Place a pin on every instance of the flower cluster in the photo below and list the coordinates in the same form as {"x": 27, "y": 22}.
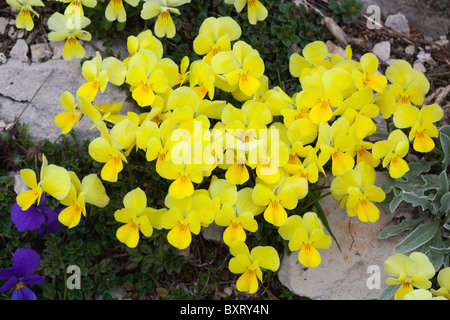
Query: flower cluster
{"x": 234, "y": 164}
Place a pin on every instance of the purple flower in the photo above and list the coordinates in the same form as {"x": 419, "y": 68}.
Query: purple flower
{"x": 25, "y": 263}
{"x": 36, "y": 217}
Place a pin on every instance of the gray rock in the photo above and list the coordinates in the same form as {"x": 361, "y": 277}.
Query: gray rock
{"x": 398, "y": 22}
{"x": 40, "y": 52}
{"x": 3, "y": 24}
{"x": 382, "y": 50}
{"x": 3, "y": 58}
{"x": 19, "y": 81}
{"x": 345, "y": 274}
{"x": 19, "y": 51}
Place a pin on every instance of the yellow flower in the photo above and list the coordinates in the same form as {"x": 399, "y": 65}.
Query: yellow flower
{"x": 66, "y": 120}
{"x": 69, "y": 28}
{"x": 335, "y": 143}
{"x": 443, "y": 280}
{"x": 215, "y": 35}
{"x": 242, "y": 67}
{"x": 202, "y": 80}
{"x": 182, "y": 220}
{"x": 410, "y": 271}
{"x": 367, "y": 75}
{"x": 115, "y": 10}
{"x": 144, "y": 40}
{"x": 184, "y": 175}
{"x": 314, "y": 55}
{"x": 76, "y": 6}
{"x": 164, "y": 26}
{"x": 421, "y": 294}
{"x": 255, "y": 9}
{"x": 421, "y": 123}
{"x": 409, "y": 86}
{"x": 25, "y": 7}
{"x": 183, "y": 76}
{"x": 320, "y": 102}
{"x": 305, "y": 234}
{"x": 250, "y": 264}
{"x": 137, "y": 217}
{"x": 89, "y": 190}
{"x": 54, "y": 180}
{"x": 103, "y": 150}
{"x": 356, "y": 189}
{"x": 144, "y": 78}
{"x": 393, "y": 150}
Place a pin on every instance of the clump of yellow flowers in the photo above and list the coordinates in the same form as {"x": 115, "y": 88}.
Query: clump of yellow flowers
{"x": 269, "y": 147}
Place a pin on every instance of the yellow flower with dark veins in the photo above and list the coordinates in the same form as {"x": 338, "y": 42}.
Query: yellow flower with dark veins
{"x": 115, "y": 10}
{"x": 25, "y": 7}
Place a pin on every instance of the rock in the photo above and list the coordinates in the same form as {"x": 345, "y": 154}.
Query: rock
{"x": 419, "y": 66}
{"x": 3, "y": 24}
{"x": 398, "y": 22}
{"x": 3, "y": 58}
{"x": 40, "y": 52}
{"x": 19, "y": 185}
{"x": 57, "y": 49}
{"x": 409, "y": 50}
{"x": 345, "y": 275}
{"x": 19, "y": 51}
{"x": 430, "y": 17}
{"x": 382, "y": 50}
{"x": 19, "y": 81}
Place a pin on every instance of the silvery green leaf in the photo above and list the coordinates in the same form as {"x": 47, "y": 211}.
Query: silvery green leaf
{"x": 405, "y": 225}
{"x": 419, "y": 237}
{"x": 445, "y": 203}
{"x": 389, "y": 292}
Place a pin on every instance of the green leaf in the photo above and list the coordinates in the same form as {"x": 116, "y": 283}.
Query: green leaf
{"x": 416, "y": 200}
{"x": 444, "y": 137}
{"x": 389, "y": 292}
{"x": 322, "y": 217}
{"x": 405, "y": 225}
{"x": 445, "y": 203}
{"x": 420, "y": 236}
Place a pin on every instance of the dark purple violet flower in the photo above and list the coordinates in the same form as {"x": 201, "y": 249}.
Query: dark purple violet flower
{"x": 25, "y": 263}
{"x": 36, "y": 217}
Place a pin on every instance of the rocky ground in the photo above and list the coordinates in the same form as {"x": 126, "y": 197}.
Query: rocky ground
{"x": 33, "y": 75}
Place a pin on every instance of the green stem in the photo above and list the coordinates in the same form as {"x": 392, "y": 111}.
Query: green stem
{"x": 316, "y": 199}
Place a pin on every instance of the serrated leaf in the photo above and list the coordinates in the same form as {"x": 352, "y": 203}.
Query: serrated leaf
{"x": 416, "y": 200}
{"x": 420, "y": 236}
{"x": 405, "y": 225}
{"x": 395, "y": 202}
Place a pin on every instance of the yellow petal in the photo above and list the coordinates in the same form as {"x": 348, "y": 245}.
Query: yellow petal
{"x": 309, "y": 256}
{"x": 70, "y": 216}
{"x": 129, "y": 234}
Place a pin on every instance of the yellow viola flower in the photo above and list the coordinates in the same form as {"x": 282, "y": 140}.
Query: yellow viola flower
{"x": 69, "y": 28}
{"x": 102, "y": 150}
{"x": 276, "y": 200}
{"x": 215, "y": 35}
{"x": 144, "y": 78}
{"x": 109, "y": 111}
{"x": 236, "y": 167}
{"x": 320, "y": 102}
{"x": 164, "y": 26}
{"x": 367, "y": 75}
{"x": 223, "y": 190}
{"x": 184, "y": 175}
{"x": 314, "y": 56}
{"x": 25, "y": 7}
{"x": 305, "y": 234}
{"x": 421, "y": 294}
{"x": 308, "y": 168}
{"x": 183, "y": 76}
{"x": 159, "y": 146}
{"x": 421, "y": 123}
{"x": 443, "y": 280}
{"x": 393, "y": 150}
{"x": 242, "y": 67}
{"x": 89, "y": 190}
{"x": 273, "y": 156}
{"x": 250, "y": 264}
{"x": 182, "y": 220}
{"x": 72, "y": 115}
{"x": 202, "y": 79}
{"x": 256, "y": 11}
{"x": 76, "y": 6}
{"x": 235, "y": 222}
{"x": 413, "y": 271}
{"x": 357, "y": 190}
{"x": 54, "y": 180}
{"x": 409, "y": 86}
{"x": 334, "y": 142}
{"x": 144, "y": 40}
{"x": 115, "y": 10}
{"x": 137, "y": 218}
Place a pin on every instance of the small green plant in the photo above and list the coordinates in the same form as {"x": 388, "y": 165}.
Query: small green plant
{"x": 345, "y": 11}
